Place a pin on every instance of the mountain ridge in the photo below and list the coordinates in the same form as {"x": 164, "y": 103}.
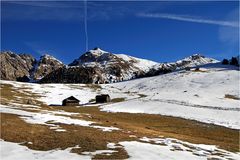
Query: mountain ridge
{"x": 94, "y": 66}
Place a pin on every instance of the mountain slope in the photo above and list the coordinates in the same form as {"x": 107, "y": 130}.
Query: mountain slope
{"x": 95, "y": 66}
{"x": 106, "y": 67}
{"x": 116, "y": 67}
{"x": 45, "y": 65}
{"x": 73, "y": 75}
{"x": 208, "y": 95}
{"x": 24, "y": 67}
{"x": 15, "y": 67}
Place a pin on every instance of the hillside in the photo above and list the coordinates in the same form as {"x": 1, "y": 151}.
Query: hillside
{"x": 15, "y": 67}
{"x": 191, "y": 114}
{"x": 205, "y": 95}
{"x": 209, "y": 94}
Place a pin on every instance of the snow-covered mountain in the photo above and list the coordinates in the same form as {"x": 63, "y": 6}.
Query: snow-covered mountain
{"x": 119, "y": 67}
{"x": 114, "y": 67}
{"x": 94, "y": 66}
{"x": 193, "y": 61}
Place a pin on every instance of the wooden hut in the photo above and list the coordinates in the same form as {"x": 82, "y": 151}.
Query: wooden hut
{"x": 103, "y": 98}
{"x": 70, "y": 101}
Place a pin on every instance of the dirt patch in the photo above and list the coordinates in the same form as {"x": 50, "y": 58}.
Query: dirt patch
{"x": 115, "y": 100}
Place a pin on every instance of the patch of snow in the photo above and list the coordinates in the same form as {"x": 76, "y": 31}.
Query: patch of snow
{"x": 13, "y": 151}
{"x": 138, "y": 150}
{"x": 113, "y": 146}
{"x": 60, "y": 130}
{"x": 173, "y": 149}
{"x": 49, "y": 119}
{"x": 142, "y": 64}
{"x": 196, "y": 149}
{"x": 105, "y": 152}
{"x": 49, "y": 57}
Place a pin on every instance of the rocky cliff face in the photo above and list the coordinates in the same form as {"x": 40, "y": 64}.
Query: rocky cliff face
{"x": 44, "y": 66}
{"x": 15, "y": 67}
{"x": 24, "y": 67}
{"x": 78, "y": 74}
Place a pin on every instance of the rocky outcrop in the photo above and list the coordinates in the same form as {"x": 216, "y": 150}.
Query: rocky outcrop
{"x": 16, "y": 67}
{"x": 24, "y": 67}
{"x": 44, "y": 66}
{"x": 78, "y": 74}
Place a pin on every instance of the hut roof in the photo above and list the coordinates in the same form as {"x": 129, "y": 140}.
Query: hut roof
{"x": 71, "y": 98}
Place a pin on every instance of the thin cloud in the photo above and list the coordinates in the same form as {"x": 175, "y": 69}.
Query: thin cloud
{"x": 189, "y": 19}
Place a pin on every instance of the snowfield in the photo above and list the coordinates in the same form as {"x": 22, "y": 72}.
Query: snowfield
{"x": 188, "y": 94}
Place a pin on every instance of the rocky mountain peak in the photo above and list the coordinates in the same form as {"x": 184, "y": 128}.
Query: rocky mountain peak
{"x": 48, "y": 58}
{"x": 44, "y": 66}
{"x": 94, "y": 55}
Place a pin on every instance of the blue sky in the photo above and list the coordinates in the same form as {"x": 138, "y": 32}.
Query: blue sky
{"x": 159, "y": 30}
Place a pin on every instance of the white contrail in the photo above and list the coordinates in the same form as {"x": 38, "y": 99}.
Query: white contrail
{"x": 85, "y": 24}
{"x": 189, "y": 19}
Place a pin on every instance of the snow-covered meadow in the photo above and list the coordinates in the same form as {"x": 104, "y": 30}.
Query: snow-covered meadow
{"x": 196, "y": 95}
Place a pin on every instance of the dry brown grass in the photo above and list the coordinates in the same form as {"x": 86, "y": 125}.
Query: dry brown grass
{"x": 167, "y": 126}
{"x": 115, "y": 100}
{"x": 94, "y": 86}
{"x": 232, "y": 97}
{"x": 202, "y": 71}
{"x": 14, "y": 129}
{"x": 9, "y": 93}
{"x": 142, "y": 95}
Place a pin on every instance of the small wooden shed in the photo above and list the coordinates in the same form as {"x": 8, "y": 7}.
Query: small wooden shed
{"x": 103, "y": 98}
{"x": 70, "y": 101}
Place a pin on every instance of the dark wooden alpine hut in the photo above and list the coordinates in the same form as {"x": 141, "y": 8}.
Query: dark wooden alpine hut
{"x": 103, "y": 98}
{"x": 70, "y": 101}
